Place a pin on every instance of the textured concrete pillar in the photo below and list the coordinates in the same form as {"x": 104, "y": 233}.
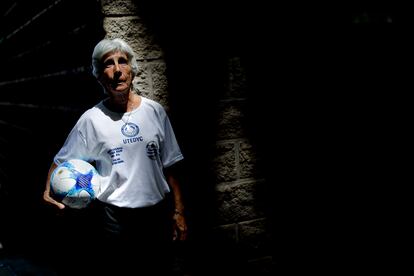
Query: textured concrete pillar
{"x": 122, "y": 19}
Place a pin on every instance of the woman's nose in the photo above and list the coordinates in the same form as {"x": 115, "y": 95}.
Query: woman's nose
{"x": 117, "y": 73}
{"x": 117, "y": 68}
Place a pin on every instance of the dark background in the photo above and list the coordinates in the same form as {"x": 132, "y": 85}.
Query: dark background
{"x": 328, "y": 93}
{"x": 45, "y": 84}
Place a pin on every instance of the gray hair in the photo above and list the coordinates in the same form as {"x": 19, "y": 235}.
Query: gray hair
{"x": 112, "y": 45}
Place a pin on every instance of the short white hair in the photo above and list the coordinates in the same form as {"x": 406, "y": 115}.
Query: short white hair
{"x": 106, "y": 46}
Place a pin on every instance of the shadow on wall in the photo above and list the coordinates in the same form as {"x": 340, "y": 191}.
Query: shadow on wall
{"x": 198, "y": 41}
{"x": 319, "y": 89}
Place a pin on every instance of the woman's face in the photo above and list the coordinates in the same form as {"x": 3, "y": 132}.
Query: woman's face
{"x": 117, "y": 73}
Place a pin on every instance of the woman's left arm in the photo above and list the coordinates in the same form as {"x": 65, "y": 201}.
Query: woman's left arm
{"x": 180, "y": 224}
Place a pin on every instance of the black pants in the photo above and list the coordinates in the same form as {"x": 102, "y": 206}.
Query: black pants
{"x": 134, "y": 241}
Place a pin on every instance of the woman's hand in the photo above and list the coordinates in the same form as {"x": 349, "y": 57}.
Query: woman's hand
{"x": 179, "y": 226}
{"x": 50, "y": 200}
{"x": 46, "y": 193}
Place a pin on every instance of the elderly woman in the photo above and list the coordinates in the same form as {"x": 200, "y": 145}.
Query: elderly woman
{"x": 130, "y": 140}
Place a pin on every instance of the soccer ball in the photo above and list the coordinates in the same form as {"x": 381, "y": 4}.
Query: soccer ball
{"x": 75, "y": 183}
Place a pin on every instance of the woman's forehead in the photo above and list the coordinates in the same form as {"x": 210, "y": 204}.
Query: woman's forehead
{"x": 113, "y": 54}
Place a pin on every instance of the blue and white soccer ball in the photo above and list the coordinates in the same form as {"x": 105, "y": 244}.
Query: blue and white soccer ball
{"x": 75, "y": 183}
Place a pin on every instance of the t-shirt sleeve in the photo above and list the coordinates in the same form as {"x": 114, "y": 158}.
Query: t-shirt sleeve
{"x": 75, "y": 146}
{"x": 170, "y": 150}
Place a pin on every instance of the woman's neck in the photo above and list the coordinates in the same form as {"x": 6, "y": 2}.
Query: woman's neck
{"x": 122, "y": 103}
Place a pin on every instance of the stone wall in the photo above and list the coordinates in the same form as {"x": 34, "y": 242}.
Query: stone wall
{"x": 240, "y": 217}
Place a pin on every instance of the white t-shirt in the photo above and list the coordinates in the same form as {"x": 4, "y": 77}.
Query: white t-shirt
{"x": 130, "y": 150}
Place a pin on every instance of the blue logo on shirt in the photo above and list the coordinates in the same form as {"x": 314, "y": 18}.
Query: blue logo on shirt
{"x": 152, "y": 150}
{"x": 130, "y": 130}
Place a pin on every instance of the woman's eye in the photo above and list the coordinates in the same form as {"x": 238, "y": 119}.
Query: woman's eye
{"x": 122, "y": 61}
{"x": 109, "y": 63}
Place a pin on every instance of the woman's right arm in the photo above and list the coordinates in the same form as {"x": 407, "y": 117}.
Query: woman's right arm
{"x": 46, "y": 193}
